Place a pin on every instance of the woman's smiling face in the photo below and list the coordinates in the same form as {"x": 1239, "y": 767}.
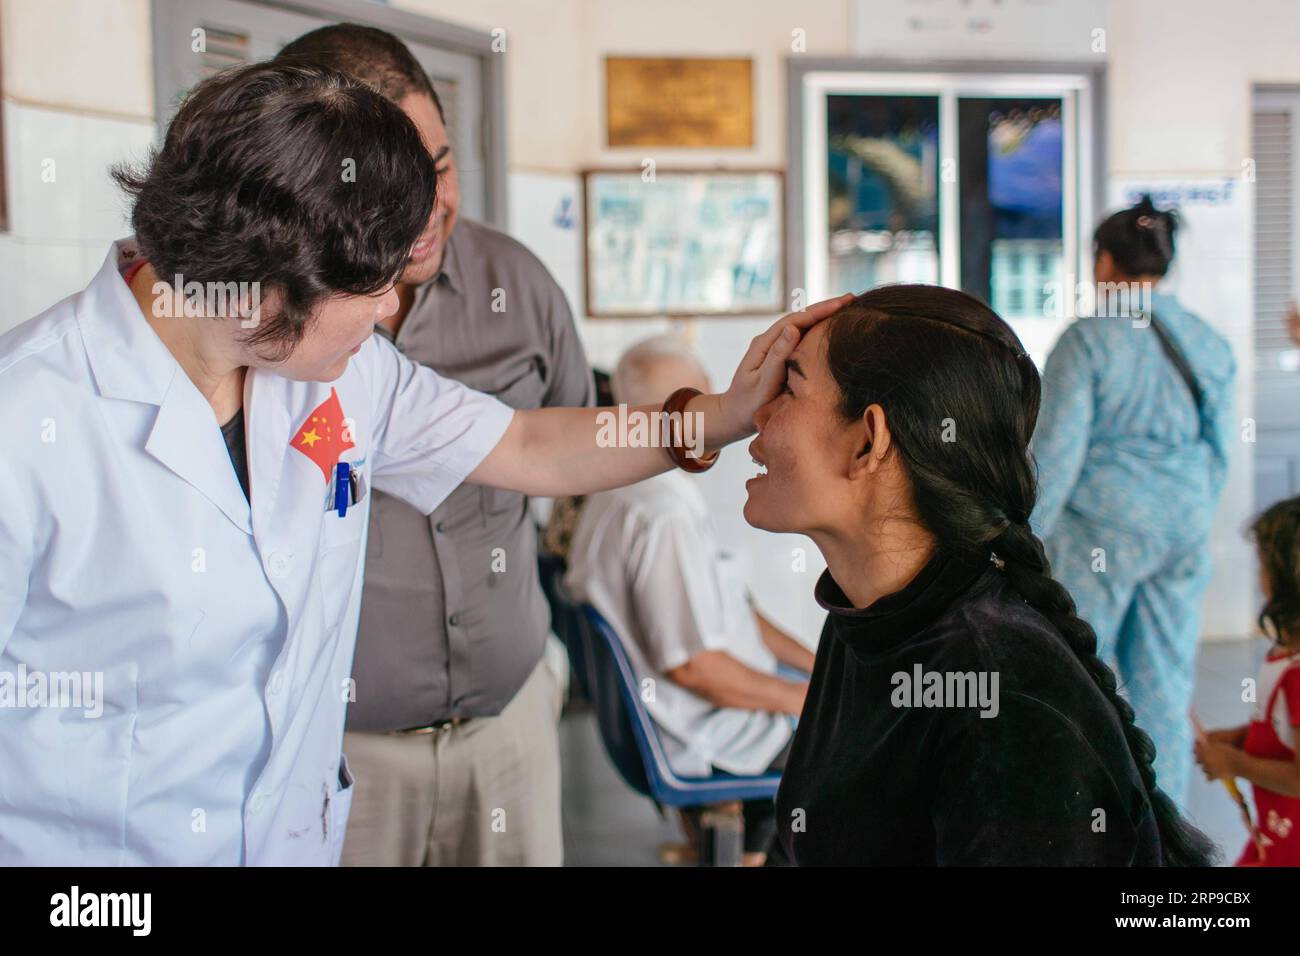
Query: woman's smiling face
{"x": 805, "y": 447}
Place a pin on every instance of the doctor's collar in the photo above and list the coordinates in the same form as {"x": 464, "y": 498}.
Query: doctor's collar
{"x": 126, "y": 357}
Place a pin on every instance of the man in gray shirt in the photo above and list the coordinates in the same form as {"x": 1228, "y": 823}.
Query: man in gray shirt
{"x": 452, "y": 733}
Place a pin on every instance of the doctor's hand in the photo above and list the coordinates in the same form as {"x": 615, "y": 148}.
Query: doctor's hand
{"x": 1293, "y": 321}
{"x": 761, "y": 372}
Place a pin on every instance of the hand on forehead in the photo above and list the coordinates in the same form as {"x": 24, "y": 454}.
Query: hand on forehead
{"x": 809, "y": 354}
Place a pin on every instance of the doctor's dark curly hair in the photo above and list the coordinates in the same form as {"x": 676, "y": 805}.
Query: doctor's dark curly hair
{"x": 925, "y": 353}
{"x": 291, "y": 175}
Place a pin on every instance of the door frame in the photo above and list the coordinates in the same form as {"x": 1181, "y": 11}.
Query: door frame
{"x": 412, "y": 27}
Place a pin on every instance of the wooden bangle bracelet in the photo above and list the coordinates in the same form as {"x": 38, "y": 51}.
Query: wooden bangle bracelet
{"x": 676, "y": 406}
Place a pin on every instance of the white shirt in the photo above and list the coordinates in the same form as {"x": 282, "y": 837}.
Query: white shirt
{"x": 646, "y": 557}
{"x": 222, "y": 632}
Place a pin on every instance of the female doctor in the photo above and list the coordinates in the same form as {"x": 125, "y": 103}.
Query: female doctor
{"x": 191, "y": 442}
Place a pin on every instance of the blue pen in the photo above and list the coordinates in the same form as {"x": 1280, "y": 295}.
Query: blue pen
{"x": 342, "y": 487}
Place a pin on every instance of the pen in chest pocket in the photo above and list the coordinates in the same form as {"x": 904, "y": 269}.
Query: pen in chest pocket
{"x": 347, "y": 488}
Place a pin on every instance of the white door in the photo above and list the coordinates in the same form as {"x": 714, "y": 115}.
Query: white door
{"x": 244, "y": 31}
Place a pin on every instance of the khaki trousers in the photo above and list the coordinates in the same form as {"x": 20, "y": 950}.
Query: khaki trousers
{"x": 486, "y": 793}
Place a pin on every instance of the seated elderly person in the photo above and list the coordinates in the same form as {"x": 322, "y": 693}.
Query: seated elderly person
{"x": 647, "y": 558}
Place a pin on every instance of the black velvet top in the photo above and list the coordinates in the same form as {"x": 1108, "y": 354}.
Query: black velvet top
{"x": 893, "y": 763}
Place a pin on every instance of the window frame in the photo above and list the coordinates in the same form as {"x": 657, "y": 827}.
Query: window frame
{"x": 1081, "y": 87}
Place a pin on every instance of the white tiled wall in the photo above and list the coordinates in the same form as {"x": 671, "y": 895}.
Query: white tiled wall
{"x": 78, "y": 97}
{"x": 64, "y": 209}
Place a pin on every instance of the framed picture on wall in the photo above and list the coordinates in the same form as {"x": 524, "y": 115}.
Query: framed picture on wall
{"x": 684, "y": 242}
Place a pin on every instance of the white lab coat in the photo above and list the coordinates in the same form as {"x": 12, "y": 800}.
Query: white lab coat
{"x": 223, "y": 634}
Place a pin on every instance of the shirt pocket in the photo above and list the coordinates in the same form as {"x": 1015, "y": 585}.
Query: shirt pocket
{"x": 337, "y": 530}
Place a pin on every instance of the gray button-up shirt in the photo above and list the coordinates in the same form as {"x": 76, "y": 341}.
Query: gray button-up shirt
{"x": 453, "y": 618}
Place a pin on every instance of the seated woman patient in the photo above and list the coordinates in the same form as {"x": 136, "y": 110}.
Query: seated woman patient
{"x": 957, "y": 713}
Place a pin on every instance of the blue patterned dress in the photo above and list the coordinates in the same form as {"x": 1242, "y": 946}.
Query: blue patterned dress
{"x": 1129, "y": 477}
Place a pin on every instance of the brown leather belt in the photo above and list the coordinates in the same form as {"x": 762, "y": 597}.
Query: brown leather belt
{"x": 437, "y": 727}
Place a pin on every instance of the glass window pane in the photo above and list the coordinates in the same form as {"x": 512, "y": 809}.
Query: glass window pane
{"x": 1011, "y": 201}
{"x": 883, "y": 195}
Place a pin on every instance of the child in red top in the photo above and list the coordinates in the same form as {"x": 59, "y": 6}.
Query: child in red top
{"x": 1264, "y": 751}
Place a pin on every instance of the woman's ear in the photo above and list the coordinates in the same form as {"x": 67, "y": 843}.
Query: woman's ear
{"x": 875, "y": 439}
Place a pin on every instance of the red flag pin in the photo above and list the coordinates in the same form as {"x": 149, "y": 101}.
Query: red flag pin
{"x": 324, "y": 435}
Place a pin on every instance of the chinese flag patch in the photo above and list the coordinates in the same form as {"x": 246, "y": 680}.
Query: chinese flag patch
{"x": 324, "y": 436}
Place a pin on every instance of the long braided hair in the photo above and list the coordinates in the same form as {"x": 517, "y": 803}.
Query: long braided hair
{"x": 962, "y": 399}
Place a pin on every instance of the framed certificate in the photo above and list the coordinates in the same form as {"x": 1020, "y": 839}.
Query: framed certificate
{"x": 684, "y": 242}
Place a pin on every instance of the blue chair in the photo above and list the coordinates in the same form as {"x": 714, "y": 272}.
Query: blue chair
{"x": 632, "y": 740}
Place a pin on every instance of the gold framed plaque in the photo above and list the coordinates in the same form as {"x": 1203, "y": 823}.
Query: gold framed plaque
{"x": 692, "y": 102}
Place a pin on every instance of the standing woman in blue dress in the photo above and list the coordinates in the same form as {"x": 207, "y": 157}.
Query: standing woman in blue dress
{"x": 1132, "y": 453}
